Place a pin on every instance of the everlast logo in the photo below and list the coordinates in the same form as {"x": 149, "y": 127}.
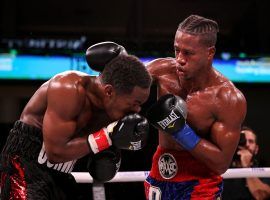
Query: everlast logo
{"x": 168, "y": 120}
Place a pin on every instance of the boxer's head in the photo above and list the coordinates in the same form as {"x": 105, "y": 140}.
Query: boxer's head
{"x": 126, "y": 84}
{"x": 205, "y": 28}
{"x": 194, "y": 46}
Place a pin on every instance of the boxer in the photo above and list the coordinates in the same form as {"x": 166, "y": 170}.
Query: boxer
{"x": 70, "y": 116}
{"x": 199, "y": 113}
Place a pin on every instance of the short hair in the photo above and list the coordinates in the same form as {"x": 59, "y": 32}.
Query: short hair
{"x": 247, "y": 128}
{"x": 124, "y": 73}
{"x": 198, "y": 25}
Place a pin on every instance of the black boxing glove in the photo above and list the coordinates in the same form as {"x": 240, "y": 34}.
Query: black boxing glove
{"x": 169, "y": 114}
{"x": 129, "y": 133}
{"x": 104, "y": 165}
{"x": 98, "y": 55}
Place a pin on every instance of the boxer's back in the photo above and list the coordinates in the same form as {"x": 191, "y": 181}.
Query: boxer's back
{"x": 35, "y": 109}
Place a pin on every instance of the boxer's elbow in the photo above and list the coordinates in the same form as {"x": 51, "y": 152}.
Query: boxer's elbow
{"x": 219, "y": 168}
{"x": 220, "y": 165}
{"x": 54, "y": 156}
{"x": 53, "y": 159}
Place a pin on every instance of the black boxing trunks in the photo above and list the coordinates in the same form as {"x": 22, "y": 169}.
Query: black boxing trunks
{"x": 25, "y": 171}
{"x": 178, "y": 175}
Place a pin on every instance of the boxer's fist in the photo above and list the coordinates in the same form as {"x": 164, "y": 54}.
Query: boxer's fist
{"x": 101, "y": 140}
{"x": 104, "y": 165}
{"x": 131, "y": 132}
{"x": 98, "y": 55}
{"x": 168, "y": 113}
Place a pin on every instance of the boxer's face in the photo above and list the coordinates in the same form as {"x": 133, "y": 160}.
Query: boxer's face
{"x": 192, "y": 55}
{"x": 120, "y": 105}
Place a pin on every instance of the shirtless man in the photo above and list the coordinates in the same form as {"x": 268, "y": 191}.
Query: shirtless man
{"x": 70, "y": 116}
{"x": 199, "y": 115}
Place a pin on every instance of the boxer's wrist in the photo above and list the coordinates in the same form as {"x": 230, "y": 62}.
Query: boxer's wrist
{"x": 99, "y": 140}
{"x": 186, "y": 137}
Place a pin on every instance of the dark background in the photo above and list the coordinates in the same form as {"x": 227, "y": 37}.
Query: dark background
{"x": 141, "y": 25}
{"x": 145, "y": 28}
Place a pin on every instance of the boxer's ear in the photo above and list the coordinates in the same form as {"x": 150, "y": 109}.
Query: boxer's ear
{"x": 211, "y": 52}
{"x": 108, "y": 90}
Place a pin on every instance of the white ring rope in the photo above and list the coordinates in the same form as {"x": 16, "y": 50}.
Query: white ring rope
{"x": 137, "y": 176}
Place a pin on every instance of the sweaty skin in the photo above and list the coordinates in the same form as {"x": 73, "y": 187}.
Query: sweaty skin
{"x": 72, "y": 105}
{"x": 216, "y": 108}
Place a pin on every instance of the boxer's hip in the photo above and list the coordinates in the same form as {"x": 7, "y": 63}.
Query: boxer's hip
{"x": 21, "y": 173}
{"x": 28, "y": 180}
{"x": 175, "y": 166}
{"x": 178, "y": 175}
{"x": 24, "y": 141}
{"x": 195, "y": 189}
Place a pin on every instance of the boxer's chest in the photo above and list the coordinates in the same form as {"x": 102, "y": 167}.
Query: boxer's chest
{"x": 201, "y": 112}
{"x": 201, "y": 105}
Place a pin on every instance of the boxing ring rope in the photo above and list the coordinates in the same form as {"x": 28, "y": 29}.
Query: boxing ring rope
{"x": 139, "y": 176}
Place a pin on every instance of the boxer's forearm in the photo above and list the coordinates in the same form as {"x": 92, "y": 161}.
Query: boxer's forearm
{"x": 217, "y": 151}
{"x": 72, "y": 150}
{"x": 212, "y": 156}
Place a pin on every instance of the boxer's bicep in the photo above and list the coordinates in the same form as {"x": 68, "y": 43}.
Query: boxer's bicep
{"x": 225, "y": 138}
{"x": 225, "y": 131}
{"x": 59, "y": 123}
{"x": 56, "y": 130}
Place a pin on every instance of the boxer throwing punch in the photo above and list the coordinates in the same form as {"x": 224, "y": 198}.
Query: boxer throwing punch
{"x": 199, "y": 115}
{"x": 70, "y": 116}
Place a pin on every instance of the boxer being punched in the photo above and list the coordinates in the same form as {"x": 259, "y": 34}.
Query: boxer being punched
{"x": 73, "y": 115}
{"x": 199, "y": 115}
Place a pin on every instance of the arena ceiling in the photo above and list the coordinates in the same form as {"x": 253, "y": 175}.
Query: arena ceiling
{"x": 139, "y": 24}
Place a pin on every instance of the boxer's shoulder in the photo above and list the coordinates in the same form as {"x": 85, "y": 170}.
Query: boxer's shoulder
{"x": 69, "y": 80}
{"x": 228, "y": 93}
{"x": 217, "y": 100}
{"x": 161, "y": 67}
{"x": 226, "y": 100}
{"x": 67, "y": 92}
{"x": 70, "y": 76}
{"x": 161, "y": 63}
{"x": 221, "y": 91}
